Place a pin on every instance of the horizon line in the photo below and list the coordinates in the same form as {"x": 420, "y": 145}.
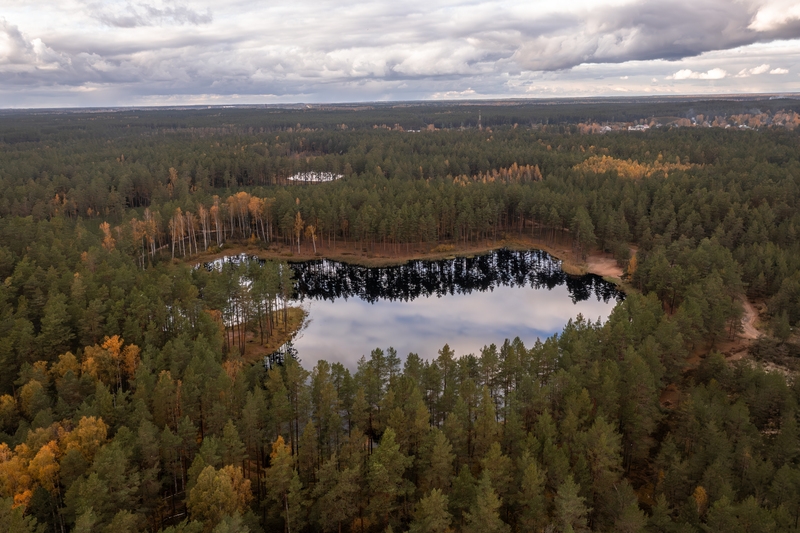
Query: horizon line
{"x": 387, "y": 103}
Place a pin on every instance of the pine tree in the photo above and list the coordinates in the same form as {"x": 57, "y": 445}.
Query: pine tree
{"x": 280, "y": 411}
{"x": 295, "y": 505}
{"x": 216, "y": 494}
{"x": 13, "y": 519}
{"x": 570, "y": 509}
{"x": 307, "y": 453}
{"x": 781, "y": 327}
{"x": 56, "y": 333}
{"x": 582, "y": 233}
{"x": 531, "y": 500}
{"x": 629, "y": 518}
{"x": 498, "y": 467}
{"x": 431, "y": 515}
{"x": 463, "y": 493}
{"x": 487, "y": 430}
{"x": 484, "y": 516}
{"x": 279, "y": 477}
{"x": 231, "y": 524}
{"x": 439, "y": 473}
{"x": 232, "y": 448}
{"x": 336, "y": 493}
{"x": 85, "y": 522}
{"x": 385, "y": 476}
{"x": 660, "y": 520}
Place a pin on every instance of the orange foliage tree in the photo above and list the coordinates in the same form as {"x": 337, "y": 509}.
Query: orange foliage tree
{"x": 110, "y": 362}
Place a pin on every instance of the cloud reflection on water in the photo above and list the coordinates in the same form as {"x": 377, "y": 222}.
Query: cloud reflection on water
{"x": 345, "y": 329}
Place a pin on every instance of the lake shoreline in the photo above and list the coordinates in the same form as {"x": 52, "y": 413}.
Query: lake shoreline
{"x": 599, "y": 263}
{"x": 348, "y": 257}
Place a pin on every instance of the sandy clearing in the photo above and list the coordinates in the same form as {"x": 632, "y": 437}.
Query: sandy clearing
{"x": 603, "y": 266}
{"x": 749, "y": 330}
{"x": 739, "y": 348}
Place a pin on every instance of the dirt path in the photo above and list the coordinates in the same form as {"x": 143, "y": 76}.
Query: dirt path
{"x": 739, "y": 347}
{"x": 749, "y": 330}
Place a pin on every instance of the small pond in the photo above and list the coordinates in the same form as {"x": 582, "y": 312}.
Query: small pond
{"x": 466, "y": 302}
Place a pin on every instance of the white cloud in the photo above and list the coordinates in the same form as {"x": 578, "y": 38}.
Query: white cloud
{"x": 688, "y": 74}
{"x": 774, "y": 14}
{"x": 137, "y": 14}
{"x": 747, "y": 72}
{"x": 455, "y": 95}
{"x": 779, "y": 71}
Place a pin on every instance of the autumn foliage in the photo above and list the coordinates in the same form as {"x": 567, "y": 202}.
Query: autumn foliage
{"x": 630, "y": 169}
{"x": 513, "y": 174}
{"x": 110, "y": 362}
{"x": 37, "y": 462}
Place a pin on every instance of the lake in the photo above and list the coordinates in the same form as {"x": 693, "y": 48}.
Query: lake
{"x": 466, "y": 302}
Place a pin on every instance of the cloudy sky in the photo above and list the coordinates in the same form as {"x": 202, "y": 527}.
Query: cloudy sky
{"x": 143, "y": 52}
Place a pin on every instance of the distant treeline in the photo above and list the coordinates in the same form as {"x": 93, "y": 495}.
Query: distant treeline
{"x": 67, "y": 125}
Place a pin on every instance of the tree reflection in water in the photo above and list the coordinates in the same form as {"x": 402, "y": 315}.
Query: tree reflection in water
{"x": 329, "y": 280}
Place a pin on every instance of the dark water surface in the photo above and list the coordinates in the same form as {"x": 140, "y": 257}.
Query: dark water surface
{"x": 419, "y": 306}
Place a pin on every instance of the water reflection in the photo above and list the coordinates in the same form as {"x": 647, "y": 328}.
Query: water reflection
{"x": 466, "y": 302}
{"x": 420, "y": 306}
{"x": 329, "y": 280}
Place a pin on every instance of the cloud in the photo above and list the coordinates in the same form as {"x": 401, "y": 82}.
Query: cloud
{"x": 776, "y": 14}
{"x": 779, "y": 71}
{"x": 688, "y": 74}
{"x": 747, "y": 72}
{"x": 14, "y": 48}
{"x": 19, "y": 55}
{"x": 454, "y": 95}
{"x": 652, "y": 30}
{"x": 134, "y": 15}
{"x": 328, "y": 50}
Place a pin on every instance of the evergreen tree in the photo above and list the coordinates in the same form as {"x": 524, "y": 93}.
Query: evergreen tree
{"x": 484, "y": 516}
{"x": 531, "y": 500}
{"x": 438, "y": 474}
{"x": 385, "y": 477}
{"x": 570, "y": 510}
{"x": 431, "y": 515}
{"x": 463, "y": 493}
{"x": 231, "y": 447}
{"x": 279, "y": 480}
{"x": 56, "y": 334}
{"x": 13, "y": 519}
{"x": 217, "y": 494}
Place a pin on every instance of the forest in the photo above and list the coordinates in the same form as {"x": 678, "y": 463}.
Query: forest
{"x": 126, "y": 404}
